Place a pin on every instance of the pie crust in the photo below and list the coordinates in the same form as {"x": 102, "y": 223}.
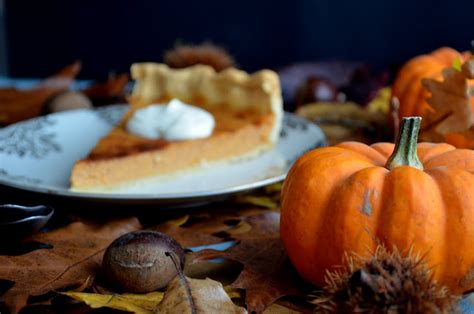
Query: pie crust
{"x": 248, "y": 110}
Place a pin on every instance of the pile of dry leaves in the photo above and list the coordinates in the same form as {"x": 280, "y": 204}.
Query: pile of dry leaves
{"x": 52, "y": 268}
{"x": 248, "y": 271}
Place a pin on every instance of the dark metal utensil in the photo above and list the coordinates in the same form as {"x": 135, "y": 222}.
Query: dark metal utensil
{"x": 17, "y": 221}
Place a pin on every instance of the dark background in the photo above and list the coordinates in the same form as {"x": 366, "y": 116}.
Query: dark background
{"x": 42, "y": 36}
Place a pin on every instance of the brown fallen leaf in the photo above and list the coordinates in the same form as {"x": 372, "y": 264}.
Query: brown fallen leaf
{"x": 62, "y": 79}
{"x": 208, "y": 297}
{"x": 451, "y": 103}
{"x": 17, "y": 105}
{"x": 278, "y": 309}
{"x": 110, "y": 91}
{"x": 225, "y": 272}
{"x": 76, "y": 254}
{"x": 193, "y": 231}
{"x": 264, "y": 225}
{"x": 207, "y": 228}
{"x": 267, "y": 274}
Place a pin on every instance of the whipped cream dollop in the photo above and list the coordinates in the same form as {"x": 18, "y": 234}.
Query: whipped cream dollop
{"x": 175, "y": 120}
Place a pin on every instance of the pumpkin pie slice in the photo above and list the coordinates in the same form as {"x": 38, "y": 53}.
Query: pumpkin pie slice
{"x": 247, "y": 110}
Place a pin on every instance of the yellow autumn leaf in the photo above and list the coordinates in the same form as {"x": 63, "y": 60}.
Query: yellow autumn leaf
{"x": 178, "y": 222}
{"x": 136, "y": 303}
{"x": 262, "y": 201}
{"x": 457, "y": 64}
{"x": 240, "y": 228}
{"x": 233, "y": 293}
{"x": 274, "y": 188}
{"x": 381, "y": 102}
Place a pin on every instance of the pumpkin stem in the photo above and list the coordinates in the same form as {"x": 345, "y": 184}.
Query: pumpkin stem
{"x": 405, "y": 153}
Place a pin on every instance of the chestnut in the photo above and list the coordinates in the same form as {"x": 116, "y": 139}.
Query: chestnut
{"x": 68, "y": 101}
{"x": 142, "y": 261}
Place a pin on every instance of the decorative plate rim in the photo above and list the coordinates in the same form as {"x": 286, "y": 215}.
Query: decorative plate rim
{"x": 163, "y": 197}
{"x": 149, "y": 196}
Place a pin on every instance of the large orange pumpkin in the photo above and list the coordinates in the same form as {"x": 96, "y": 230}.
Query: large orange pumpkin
{"x": 351, "y": 197}
{"x": 407, "y": 85}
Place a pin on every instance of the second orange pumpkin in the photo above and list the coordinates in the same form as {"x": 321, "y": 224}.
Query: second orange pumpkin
{"x": 407, "y": 85}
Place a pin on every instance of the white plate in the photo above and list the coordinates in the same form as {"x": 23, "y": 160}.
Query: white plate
{"x": 37, "y": 155}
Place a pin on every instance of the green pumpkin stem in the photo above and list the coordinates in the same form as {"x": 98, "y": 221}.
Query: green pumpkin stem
{"x": 405, "y": 153}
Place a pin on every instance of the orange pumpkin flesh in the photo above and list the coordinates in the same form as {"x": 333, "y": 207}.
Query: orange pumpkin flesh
{"x": 342, "y": 199}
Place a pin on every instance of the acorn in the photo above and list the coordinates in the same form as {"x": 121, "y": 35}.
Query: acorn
{"x": 143, "y": 261}
{"x": 68, "y": 101}
{"x": 390, "y": 282}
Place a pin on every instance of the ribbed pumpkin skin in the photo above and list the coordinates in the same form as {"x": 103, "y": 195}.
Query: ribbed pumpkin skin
{"x": 341, "y": 199}
{"x": 407, "y": 85}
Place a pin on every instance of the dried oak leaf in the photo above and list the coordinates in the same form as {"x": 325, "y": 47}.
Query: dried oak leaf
{"x": 136, "y": 303}
{"x": 267, "y": 274}
{"x": 264, "y": 225}
{"x": 451, "y": 103}
{"x": 17, "y": 105}
{"x": 111, "y": 91}
{"x": 279, "y": 309}
{"x": 208, "y": 297}
{"x": 76, "y": 254}
{"x": 206, "y": 228}
{"x": 194, "y": 230}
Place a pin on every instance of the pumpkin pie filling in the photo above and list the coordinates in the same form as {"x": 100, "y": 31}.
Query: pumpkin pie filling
{"x": 241, "y": 131}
